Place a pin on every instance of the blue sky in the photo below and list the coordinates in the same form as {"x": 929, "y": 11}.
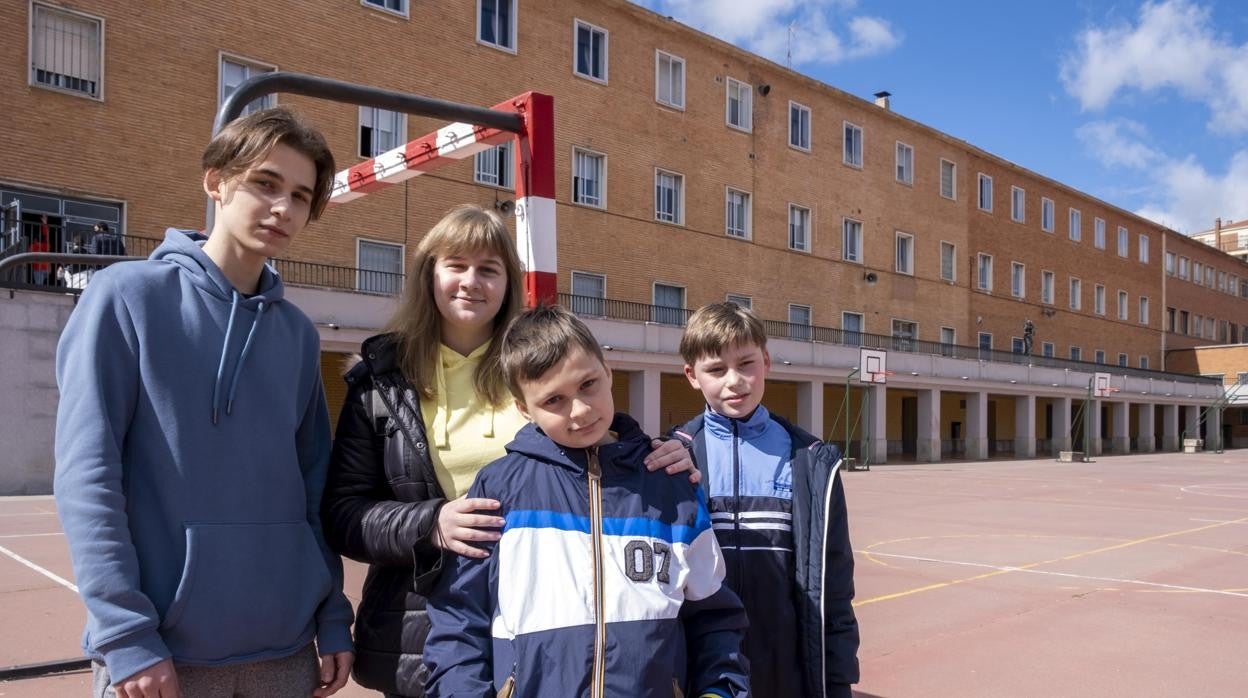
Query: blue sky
{"x": 1142, "y": 104}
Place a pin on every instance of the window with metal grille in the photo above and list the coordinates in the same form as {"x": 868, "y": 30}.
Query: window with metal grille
{"x": 234, "y": 71}
{"x": 587, "y": 178}
{"x": 668, "y": 195}
{"x": 494, "y": 167}
{"x": 66, "y": 51}
{"x": 379, "y": 267}
{"x": 380, "y": 130}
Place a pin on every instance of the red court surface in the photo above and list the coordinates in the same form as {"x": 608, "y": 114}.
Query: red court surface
{"x": 1123, "y": 577}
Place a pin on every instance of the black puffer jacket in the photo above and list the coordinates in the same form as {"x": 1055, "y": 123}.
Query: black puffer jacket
{"x": 380, "y": 507}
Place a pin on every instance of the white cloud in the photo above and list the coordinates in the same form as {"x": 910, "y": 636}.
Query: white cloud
{"x": 814, "y": 31}
{"x": 1120, "y": 142}
{"x": 1173, "y": 45}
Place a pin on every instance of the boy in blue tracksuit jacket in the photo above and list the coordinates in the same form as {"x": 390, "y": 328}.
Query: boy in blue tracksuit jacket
{"x": 607, "y": 580}
{"x": 778, "y": 509}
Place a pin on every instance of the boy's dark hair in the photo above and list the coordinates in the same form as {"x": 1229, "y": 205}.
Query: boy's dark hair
{"x": 539, "y": 338}
{"x": 101, "y": 227}
{"x": 244, "y": 142}
{"x": 716, "y": 327}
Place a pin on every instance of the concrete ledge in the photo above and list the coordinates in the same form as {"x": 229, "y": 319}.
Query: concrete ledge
{"x": 1071, "y": 457}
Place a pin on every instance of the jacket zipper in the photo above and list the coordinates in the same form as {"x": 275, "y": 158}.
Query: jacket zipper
{"x": 823, "y": 577}
{"x": 736, "y": 500}
{"x": 598, "y": 678}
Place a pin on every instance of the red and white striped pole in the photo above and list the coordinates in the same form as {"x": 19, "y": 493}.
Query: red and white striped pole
{"x": 535, "y": 198}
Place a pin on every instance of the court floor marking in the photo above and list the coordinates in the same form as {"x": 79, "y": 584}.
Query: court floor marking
{"x": 31, "y": 535}
{"x": 1022, "y": 568}
{"x": 1242, "y": 523}
{"x": 47, "y": 573}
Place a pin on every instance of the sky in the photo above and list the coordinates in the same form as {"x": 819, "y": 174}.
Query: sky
{"x": 1141, "y": 104}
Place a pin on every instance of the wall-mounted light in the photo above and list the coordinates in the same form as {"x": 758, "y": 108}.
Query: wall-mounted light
{"x": 505, "y": 206}
{"x": 764, "y": 89}
{"x": 870, "y": 277}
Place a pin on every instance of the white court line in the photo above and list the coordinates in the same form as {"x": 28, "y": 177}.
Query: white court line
{"x": 50, "y": 575}
{"x": 32, "y": 535}
{"x": 1176, "y": 587}
{"x": 1241, "y": 523}
{"x": 33, "y": 513}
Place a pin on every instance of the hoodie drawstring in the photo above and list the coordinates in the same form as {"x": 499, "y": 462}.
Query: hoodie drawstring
{"x": 225, "y": 346}
{"x": 242, "y": 357}
{"x": 238, "y": 369}
{"x": 442, "y": 418}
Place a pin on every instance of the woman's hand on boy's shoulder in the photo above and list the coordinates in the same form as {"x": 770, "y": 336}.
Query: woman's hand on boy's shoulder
{"x": 460, "y": 525}
{"x": 672, "y": 456}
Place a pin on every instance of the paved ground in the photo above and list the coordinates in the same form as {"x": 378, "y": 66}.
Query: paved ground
{"x": 1123, "y": 577}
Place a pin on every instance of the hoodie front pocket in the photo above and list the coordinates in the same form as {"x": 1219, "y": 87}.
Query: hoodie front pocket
{"x": 247, "y": 589}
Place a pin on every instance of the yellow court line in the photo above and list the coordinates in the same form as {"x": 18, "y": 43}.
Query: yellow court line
{"x": 1074, "y": 556}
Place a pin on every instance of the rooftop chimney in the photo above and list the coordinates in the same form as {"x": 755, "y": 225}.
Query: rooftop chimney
{"x": 881, "y": 99}
{"x": 1217, "y": 225}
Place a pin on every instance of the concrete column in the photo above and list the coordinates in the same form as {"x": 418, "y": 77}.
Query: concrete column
{"x": 977, "y": 426}
{"x": 1025, "y": 426}
{"x": 1191, "y": 424}
{"x": 928, "y": 450}
{"x": 1061, "y": 425}
{"x": 1213, "y": 429}
{"x": 875, "y": 424}
{"x": 644, "y": 400}
{"x": 810, "y": 407}
{"x": 1144, "y": 420}
{"x": 1120, "y": 427}
{"x": 1093, "y": 410}
{"x": 1170, "y": 428}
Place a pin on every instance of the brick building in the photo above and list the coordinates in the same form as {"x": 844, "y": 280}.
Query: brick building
{"x": 689, "y": 171}
{"x": 1229, "y": 236}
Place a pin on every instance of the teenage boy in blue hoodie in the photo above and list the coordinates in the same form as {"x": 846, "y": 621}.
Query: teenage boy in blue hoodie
{"x": 778, "y": 508}
{"x": 607, "y": 580}
{"x": 192, "y": 442}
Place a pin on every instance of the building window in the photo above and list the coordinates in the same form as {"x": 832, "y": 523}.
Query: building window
{"x": 984, "y": 282}
{"x": 799, "y": 126}
{"x": 1170, "y": 263}
{"x": 494, "y": 167}
{"x": 1099, "y": 356}
{"x": 1098, "y": 299}
{"x": 905, "y": 163}
{"x": 799, "y": 321}
{"x": 398, "y": 7}
{"x": 737, "y": 214}
{"x": 1143, "y": 362}
{"x": 985, "y": 192}
{"x": 1018, "y": 280}
{"x": 738, "y": 112}
{"x": 1182, "y": 327}
{"x": 589, "y": 178}
{"x": 1208, "y": 328}
{"x": 1046, "y": 215}
{"x": 67, "y": 51}
{"x": 1170, "y": 319}
{"x": 948, "y": 180}
{"x": 1197, "y": 271}
{"x": 851, "y": 328}
{"x": 743, "y": 301}
{"x": 1183, "y": 268}
{"x": 379, "y": 267}
{"x": 853, "y": 145}
{"x": 905, "y": 334}
{"x": 948, "y": 338}
{"x": 1123, "y": 242}
{"x": 591, "y": 52}
{"x": 233, "y": 72}
{"x": 496, "y": 23}
{"x": 1197, "y": 327}
{"x": 380, "y": 130}
{"x": 1076, "y": 225}
{"x": 669, "y": 305}
{"x": 1143, "y": 310}
{"x": 905, "y": 253}
{"x": 1076, "y": 294}
{"x": 985, "y": 344}
{"x": 799, "y": 228}
{"x": 1222, "y": 281}
{"x": 1047, "y": 349}
{"x": 1123, "y": 360}
{"x": 948, "y": 270}
{"x": 589, "y": 292}
{"x": 1124, "y": 313}
{"x": 1076, "y": 354}
{"x": 669, "y": 80}
{"x": 851, "y": 241}
{"x": 1143, "y": 249}
{"x": 1016, "y": 346}
{"x": 1046, "y": 287}
{"x": 669, "y": 194}
{"x": 1098, "y": 233}
{"x": 1209, "y": 276}
{"x": 1018, "y": 205}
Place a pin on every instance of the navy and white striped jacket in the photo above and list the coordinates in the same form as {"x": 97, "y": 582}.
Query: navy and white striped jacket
{"x": 607, "y": 582}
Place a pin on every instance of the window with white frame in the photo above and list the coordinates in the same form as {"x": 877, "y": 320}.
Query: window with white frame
{"x": 669, "y": 79}
{"x": 905, "y": 163}
{"x": 1075, "y": 225}
{"x": 1170, "y": 263}
{"x": 1209, "y": 276}
{"x": 233, "y": 71}
{"x": 851, "y": 328}
{"x": 1222, "y": 281}
{"x": 66, "y": 51}
{"x": 1198, "y": 270}
{"x": 496, "y": 23}
{"x": 380, "y": 130}
{"x": 379, "y": 267}
{"x": 1143, "y": 249}
{"x": 1098, "y": 233}
{"x": 495, "y": 167}
{"x": 590, "y": 54}
{"x": 1124, "y": 245}
{"x": 744, "y": 301}
{"x": 905, "y": 334}
{"x": 1098, "y": 299}
{"x": 799, "y": 126}
{"x": 1018, "y": 205}
{"x": 851, "y": 241}
{"x": 1124, "y": 312}
{"x": 984, "y": 281}
{"x": 1100, "y": 356}
{"x": 396, "y": 6}
{"x": 669, "y": 304}
{"x": 737, "y": 214}
{"x": 1143, "y": 310}
{"x": 589, "y": 173}
{"x": 1122, "y": 360}
{"x": 1144, "y": 362}
{"x": 948, "y": 336}
{"x": 1183, "y": 267}
{"x": 1197, "y": 326}
{"x": 799, "y": 228}
{"x": 985, "y": 343}
{"x": 905, "y": 253}
{"x": 1209, "y": 328}
{"x": 738, "y": 112}
{"x": 669, "y": 194}
{"x": 589, "y": 292}
{"x": 799, "y": 321}
{"x": 1018, "y": 280}
{"x": 853, "y": 145}
{"x": 948, "y": 179}
{"x": 948, "y": 268}
{"x": 985, "y": 192}
{"x": 1076, "y": 354}
{"x": 1048, "y": 349}
{"x": 1017, "y": 346}
{"x": 1076, "y": 294}
{"x": 1046, "y": 287}
{"x": 1046, "y": 215}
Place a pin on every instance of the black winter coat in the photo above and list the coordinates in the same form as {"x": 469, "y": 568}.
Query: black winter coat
{"x": 380, "y": 507}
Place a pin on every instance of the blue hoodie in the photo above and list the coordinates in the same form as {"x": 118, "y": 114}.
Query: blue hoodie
{"x": 192, "y": 443}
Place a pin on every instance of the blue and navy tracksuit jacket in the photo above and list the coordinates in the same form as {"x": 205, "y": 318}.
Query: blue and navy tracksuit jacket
{"x": 778, "y": 510}
{"x": 607, "y": 582}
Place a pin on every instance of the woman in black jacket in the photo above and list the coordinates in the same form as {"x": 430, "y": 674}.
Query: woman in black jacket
{"x": 426, "y": 409}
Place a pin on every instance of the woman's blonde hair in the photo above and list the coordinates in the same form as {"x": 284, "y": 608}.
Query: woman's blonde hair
{"x": 417, "y": 324}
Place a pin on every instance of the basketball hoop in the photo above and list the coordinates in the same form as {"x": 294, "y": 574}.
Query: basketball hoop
{"x": 879, "y": 376}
